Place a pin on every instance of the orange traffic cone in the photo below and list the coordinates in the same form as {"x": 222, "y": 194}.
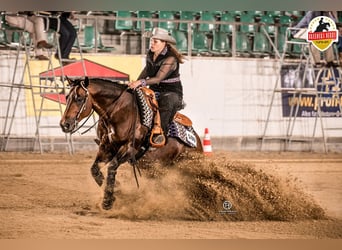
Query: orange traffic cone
{"x": 207, "y": 149}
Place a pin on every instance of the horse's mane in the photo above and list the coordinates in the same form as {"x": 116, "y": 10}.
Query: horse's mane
{"x": 109, "y": 82}
{"x": 108, "y": 86}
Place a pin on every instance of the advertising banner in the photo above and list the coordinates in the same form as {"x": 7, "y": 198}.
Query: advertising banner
{"x": 328, "y": 95}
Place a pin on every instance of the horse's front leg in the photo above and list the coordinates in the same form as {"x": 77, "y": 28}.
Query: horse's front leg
{"x": 123, "y": 154}
{"x": 105, "y": 153}
{"x": 96, "y": 172}
{"x": 109, "y": 198}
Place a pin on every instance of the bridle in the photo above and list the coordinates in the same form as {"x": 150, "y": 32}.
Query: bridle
{"x": 83, "y": 106}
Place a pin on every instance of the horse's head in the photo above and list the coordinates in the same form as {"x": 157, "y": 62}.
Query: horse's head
{"x": 78, "y": 104}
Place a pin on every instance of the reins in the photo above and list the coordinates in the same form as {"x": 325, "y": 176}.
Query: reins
{"x": 83, "y": 107}
{"x": 133, "y": 160}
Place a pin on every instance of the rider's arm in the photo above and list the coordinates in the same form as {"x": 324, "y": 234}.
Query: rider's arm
{"x": 143, "y": 74}
{"x": 168, "y": 66}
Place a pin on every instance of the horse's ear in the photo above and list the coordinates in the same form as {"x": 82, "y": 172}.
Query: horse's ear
{"x": 86, "y": 82}
{"x": 69, "y": 80}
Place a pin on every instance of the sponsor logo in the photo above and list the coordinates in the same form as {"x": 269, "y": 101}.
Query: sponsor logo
{"x": 322, "y": 32}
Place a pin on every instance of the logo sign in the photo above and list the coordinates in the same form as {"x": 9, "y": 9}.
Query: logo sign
{"x": 227, "y": 205}
{"x": 322, "y": 32}
{"x": 227, "y": 208}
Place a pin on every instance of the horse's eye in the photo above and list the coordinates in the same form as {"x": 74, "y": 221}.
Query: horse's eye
{"x": 78, "y": 99}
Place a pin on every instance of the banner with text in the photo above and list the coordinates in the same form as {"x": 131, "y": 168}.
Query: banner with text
{"x": 328, "y": 96}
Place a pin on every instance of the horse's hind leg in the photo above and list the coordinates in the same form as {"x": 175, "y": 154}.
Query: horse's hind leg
{"x": 96, "y": 173}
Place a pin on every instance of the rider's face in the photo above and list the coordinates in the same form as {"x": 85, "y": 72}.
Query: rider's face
{"x": 157, "y": 45}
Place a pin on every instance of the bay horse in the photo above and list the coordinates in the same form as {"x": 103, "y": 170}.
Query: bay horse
{"x": 121, "y": 135}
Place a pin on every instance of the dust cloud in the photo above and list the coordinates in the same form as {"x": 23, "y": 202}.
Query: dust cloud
{"x": 210, "y": 189}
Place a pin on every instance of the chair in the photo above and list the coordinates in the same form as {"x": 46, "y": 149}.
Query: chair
{"x": 200, "y": 42}
{"x": 257, "y": 14}
{"x": 89, "y": 40}
{"x": 3, "y": 37}
{"x": 227, "y": 17}
{"x": 296, "y": 50}
{"x": 186, "y": 16}
{"x": 296, "y": 44}
{"x": 3, "y": 23}
{"x": 181, "y": 40}
{"x": 274, "y": 14}
{"x": 50, "y": 36}
{"x": 210, "y": 18}
{"x": 235, "y": 13}
{"x": 168, "y": 23}
{"x": 17, "y": 40}
{"x": 285, "y": 22}
{"x": 221, "y": 44}
{"x": 247, "y": 24}
{"x": 18, "y": 36}
{"x": 124, "y": 25}
{"x": 269, "y": 24}
{"x": 101, "y": 47}
{"x": 148, "y": 24}
{"x": 281, "y": 44}
{"x": 216, "y": 13}
{"x": 243, "y": 45}
{"x": 261, "y": 44}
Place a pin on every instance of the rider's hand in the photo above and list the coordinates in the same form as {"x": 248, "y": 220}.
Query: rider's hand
{"x": 134, "y": 84}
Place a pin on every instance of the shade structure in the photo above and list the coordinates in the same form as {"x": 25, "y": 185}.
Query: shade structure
{"x": 80, "y": 69}
{"x": 84, "y": 68}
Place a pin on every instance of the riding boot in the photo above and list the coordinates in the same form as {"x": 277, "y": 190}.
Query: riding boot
{"x": 157, "y": 138}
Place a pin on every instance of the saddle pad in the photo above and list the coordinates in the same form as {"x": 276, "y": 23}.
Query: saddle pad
{"x": 185, "y": 134}
{"x": 146, "y": 113}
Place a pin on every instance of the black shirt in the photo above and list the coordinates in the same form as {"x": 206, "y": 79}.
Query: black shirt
{"x": 162, "y": 74}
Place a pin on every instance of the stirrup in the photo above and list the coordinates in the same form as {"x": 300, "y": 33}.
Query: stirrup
{"x": 157, "y": 140}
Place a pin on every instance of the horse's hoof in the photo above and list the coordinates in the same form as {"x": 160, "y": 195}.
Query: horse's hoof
{"x": 108, "y": 201}
{"x": 99, "y": 180}
{"x": 106, "y": 205}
